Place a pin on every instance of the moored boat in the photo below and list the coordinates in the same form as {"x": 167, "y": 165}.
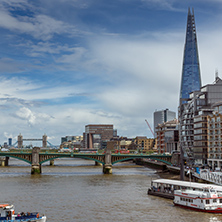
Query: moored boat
{"x": 165, "y": 188}
{"x": 207, "y": 200}
{"x": 7, "y": 214}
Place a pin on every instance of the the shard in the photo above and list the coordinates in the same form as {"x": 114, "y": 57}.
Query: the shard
{"x": 191, "y": 79}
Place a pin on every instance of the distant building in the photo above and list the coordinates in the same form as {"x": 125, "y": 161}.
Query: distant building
{"x": 144, "y": 143}
{"x": 72, "y": 141}
{"x": 97, "y": 135}
{"x": 167, "y": 136}
{"x": 161, "y": 117}
{"x": 10, "y": 141}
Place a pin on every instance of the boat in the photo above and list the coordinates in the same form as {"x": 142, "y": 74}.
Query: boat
{"x": 165, "y": 187}
{"x": 7, "y": 214}
{"x": 207, "y": 200}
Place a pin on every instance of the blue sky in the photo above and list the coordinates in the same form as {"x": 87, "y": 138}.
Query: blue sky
{"x": 68, "y": 63}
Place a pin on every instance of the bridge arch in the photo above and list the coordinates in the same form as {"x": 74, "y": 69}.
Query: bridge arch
{"x": 130, "y": 158}
{"x": 77, "y": 157}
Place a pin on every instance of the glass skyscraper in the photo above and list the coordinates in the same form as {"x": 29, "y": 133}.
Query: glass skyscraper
{"x": 191, "y": 80}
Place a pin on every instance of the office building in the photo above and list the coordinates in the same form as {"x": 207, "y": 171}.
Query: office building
{"x": 161, "y": 117}
{"x": 96, "y": 136}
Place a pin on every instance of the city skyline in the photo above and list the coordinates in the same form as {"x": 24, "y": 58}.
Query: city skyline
{"x": 65, "y": 64}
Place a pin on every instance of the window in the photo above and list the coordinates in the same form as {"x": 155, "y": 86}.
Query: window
{"x": 220, "y": 200}
{"x": 207, "y": 201}
{"x": 214, "y": 200}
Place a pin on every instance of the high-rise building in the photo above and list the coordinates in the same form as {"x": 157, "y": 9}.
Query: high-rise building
{"x": 162, "y": 116}
{"x": 191, "y": 79}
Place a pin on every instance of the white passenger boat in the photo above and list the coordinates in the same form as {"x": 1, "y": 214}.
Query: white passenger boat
{"x": 207, "y": 200}
{"x": 7, "y": 214}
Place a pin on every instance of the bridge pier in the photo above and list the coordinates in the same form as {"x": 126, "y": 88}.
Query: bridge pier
{"x": 51, "y": 162}
{"x": 36, "y": 167}
{"x": 4, "y": 161}
{"x": 107, "y": 167}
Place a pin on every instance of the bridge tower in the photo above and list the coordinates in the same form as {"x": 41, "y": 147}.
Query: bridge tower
{"x": 44, "y": 141}
{"x": 20, "y": 141}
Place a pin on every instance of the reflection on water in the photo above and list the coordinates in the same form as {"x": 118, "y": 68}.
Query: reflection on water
{"x": 76, "y": 190}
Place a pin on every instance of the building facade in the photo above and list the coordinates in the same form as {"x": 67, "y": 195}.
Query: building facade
{"x": 162, "y": 116}
{"x": 144, "y": 143}
{"x": 96, "y": 136}
{"x": 215, "y": 137}
{"x": 193, "y": 127}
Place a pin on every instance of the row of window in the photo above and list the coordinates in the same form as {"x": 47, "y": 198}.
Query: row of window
{"x": 207, "y": 201}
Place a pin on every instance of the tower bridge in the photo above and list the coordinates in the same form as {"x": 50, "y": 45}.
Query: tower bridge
{"x": 36, "y": 157}
{"x": 43, "y": 139}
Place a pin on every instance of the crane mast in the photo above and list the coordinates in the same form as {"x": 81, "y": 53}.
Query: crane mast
{"x": 149, "y": 127}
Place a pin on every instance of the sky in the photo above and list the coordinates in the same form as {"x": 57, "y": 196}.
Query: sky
{"x": 65, "y": 64}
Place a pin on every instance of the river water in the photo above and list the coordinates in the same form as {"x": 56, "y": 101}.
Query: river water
{"x": 76, "y": 190}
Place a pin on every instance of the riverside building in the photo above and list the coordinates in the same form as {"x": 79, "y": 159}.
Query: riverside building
{"x": 194, "y": 131}
{"x": 215, "y": 137}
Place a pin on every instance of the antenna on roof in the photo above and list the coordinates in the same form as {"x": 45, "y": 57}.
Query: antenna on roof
{"x": 216, "y": 73}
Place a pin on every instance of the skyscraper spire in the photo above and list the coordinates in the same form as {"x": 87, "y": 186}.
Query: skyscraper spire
{"x": 191, "y": 79}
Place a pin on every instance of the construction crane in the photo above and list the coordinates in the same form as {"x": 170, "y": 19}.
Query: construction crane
{"x": 149, "y": 127}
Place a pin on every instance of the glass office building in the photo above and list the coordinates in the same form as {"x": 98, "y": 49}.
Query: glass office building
{"x": 191, "y": 80}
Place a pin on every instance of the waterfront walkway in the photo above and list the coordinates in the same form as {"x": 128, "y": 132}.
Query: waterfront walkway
{"x": 207, "y": 175}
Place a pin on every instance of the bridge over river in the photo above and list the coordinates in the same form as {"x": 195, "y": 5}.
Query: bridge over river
{"x": 36, "y": 157}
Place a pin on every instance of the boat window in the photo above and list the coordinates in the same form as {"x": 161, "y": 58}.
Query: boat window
{"x": 201, "y": 201}
{"x": 220, "y": 200}
{"x": 207, "y": 201}
{"x": 214, "y": 200}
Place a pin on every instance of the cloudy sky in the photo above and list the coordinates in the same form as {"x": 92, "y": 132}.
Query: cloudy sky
{"x": 68, "y": 63}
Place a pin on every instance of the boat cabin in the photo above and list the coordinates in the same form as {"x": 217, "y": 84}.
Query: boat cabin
{"x": 165, "y": 188}
{"x": 6, "y": 212}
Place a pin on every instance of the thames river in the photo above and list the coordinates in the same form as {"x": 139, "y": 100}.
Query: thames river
{"x": 76, "y": 190}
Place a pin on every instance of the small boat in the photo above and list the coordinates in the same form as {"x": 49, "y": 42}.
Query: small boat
{"x": 7, "y": 214}
{"x": 207, "y": 200}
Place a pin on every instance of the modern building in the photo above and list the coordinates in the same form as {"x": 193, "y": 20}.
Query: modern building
{"x": 167, "y": 136}
{"x": 191, "y": 79}
{"x": 96, "y": 136}
{"x": 162, "y": 116}
{"x": 193, "y": 121}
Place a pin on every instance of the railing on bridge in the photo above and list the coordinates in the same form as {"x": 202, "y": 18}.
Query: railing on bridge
{"x": 213, "y": 177}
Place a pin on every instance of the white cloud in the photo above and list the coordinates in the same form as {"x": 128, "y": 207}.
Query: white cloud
{"x": 26, "y": 114}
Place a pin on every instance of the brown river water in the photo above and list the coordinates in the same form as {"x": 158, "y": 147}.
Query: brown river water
{"x": 76, "y": 190}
